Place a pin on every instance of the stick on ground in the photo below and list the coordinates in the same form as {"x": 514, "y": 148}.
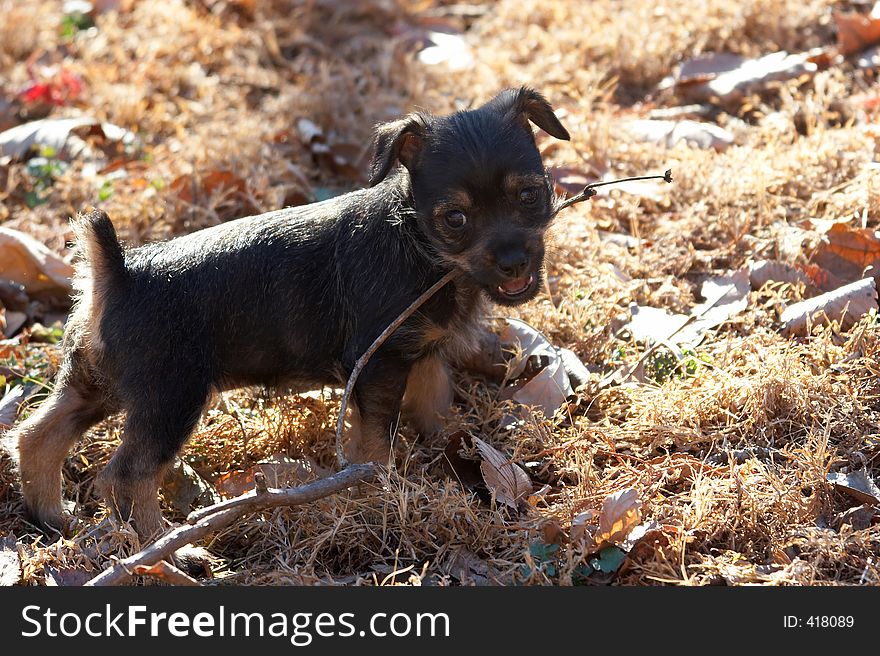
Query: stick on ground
{"x": 214, "y": 518}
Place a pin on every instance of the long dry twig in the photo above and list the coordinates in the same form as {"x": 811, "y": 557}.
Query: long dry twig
{"x": 362, "y": 361}
{"x": 221, "y": 515}
{"x": 590, "y": 190}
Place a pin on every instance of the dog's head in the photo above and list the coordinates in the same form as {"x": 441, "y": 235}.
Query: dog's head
{"x": 482, "y": 196}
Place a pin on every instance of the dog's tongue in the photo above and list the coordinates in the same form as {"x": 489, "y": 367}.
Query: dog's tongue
{"x": 516, "y": 285}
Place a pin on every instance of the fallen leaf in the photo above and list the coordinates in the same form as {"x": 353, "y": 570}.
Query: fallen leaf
{"x": 465, "y": 470}
{"x": 66, "y": 576}
{"x": 185, "y": 489}
{"x": 668, "y": 133}
{"x": 764, "y": 271}
{"x": 340, "y": 158}
{"x": 508, "y": 481}
{"x": 61, "y": 135}
{"x": 11, "y": 403}
{"x": 468, "y": 568}
{"x": 846, "y": 252}
{"x": 13, "y": 322}
{"x": 650, "y": 324}
{"x": 609, "y": 560}
{"x": 620, "y": 513}
{"x": 578, "y": 374}
{"x": 703, "y": 69}
{"x": 857, "y": 484}
{"x": 10, "y": 562}
{"x": 856, "y": 31}
{"x": 446, "y": 48}
{"x": 235, "y": 482}
{"x": 29, "y": 263}
{"x": 536, "y": 369}
{"x": 10, "y": 109}
{"x": 725, "y": 297}
{"x": 728, "y": 78}
{"x": 846, "y": 305}
{"x": 859, "y": 517}
{"x": 280, "y": 471}
{"x": 584, "y": 527}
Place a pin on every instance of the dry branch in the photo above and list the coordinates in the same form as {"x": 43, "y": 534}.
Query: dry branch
{"x": 216, "y": 517}
{"x": 362, "y": 361}
{"x": 590, "y": 190}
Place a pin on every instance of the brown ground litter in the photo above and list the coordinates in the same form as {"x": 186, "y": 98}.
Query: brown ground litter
{"x": 729, "y": 460}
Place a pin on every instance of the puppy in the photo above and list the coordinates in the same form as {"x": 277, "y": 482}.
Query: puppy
{"x": 293, "y": 298}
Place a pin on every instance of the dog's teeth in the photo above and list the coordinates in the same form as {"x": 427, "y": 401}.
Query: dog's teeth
{"x": 515, "y": 286}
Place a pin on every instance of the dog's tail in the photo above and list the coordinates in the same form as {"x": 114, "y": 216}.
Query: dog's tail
{"x": 98, "y": 246}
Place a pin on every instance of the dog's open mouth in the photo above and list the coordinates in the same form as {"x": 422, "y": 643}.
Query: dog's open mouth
{"x": 515, "y": 287}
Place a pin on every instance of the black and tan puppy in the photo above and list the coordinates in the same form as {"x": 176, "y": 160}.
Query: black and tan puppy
{"x": 294, "y": 297}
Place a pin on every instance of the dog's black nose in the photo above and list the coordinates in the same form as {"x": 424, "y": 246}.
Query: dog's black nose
{"x": 513, "y": 264}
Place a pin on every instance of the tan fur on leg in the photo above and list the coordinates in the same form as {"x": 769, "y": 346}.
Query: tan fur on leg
{"x": 366, "y": 442}
{"x": 42, "y": 444}
{"x": 130, "y": 486}
{"x": 428, "y": 395}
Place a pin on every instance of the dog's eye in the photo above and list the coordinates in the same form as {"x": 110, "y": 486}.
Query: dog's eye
{"x": 528, "y": 196}
{"x": 455, "y": 219}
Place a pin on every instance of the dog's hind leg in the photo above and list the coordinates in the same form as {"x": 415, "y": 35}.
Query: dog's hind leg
{"x": 42, "y": 442}
{"x": 154, "y": 432}
{"x": 377, "y": 397}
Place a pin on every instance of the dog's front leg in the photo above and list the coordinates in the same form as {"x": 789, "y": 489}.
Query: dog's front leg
{"x": 377, "y": 397}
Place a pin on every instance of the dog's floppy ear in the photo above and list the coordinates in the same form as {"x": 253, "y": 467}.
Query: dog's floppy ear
{"x": 530, "y": 104}
{"x": 397, "y": 141}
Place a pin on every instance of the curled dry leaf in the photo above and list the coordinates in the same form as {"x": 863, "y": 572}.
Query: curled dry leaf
{"x": 845, "y": 305}
{"x": 343, "y": 159}
{"x": 764, "y": 271}
{"x": 468, "y": 567}
{"x": 537, "y": 369}
{"x": 28, "y": 262}
{"x": 726, "y": 78}
{"x": 846, "y": 252}
{"x": 61, "y": 135}
{"x": 508, "y": 481}
{"x": 620, "y": 513}
{"x": 858, "y": 485}
{"x": 668, "y": 133}
{"x": 725, "y": 297}
{"x": 185, "y": 489}
{"x": 617, "y": 523}
{"x": 11, "y": 403}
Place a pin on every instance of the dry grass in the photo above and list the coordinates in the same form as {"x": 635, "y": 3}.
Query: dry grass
{"x": 730, "y": 462}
